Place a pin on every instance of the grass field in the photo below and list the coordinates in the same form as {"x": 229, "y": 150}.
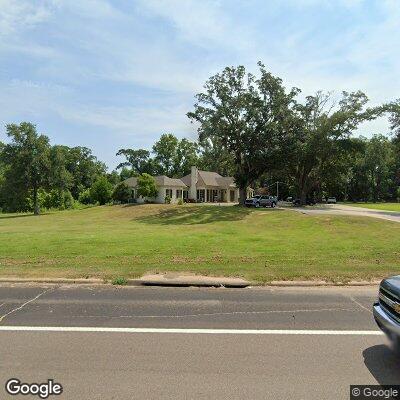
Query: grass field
{"x": 113, "y": 241}
{"x": 377, "y": 206}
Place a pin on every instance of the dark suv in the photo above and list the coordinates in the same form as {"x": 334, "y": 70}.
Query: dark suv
{"x": 261, "y": 201}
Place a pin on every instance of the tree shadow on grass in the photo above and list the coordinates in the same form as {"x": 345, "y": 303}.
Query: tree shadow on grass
{"x": 196, "y": 215}
{"x": 11, "y": 216}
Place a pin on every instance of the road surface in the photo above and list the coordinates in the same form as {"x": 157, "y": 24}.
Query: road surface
{"x": 121, "y": 345}
{"x": 342, "y": 209}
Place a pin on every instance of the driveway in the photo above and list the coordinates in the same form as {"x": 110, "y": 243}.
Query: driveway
{"x": 341, "y": 209}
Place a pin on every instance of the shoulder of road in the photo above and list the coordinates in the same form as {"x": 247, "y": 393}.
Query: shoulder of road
{"x": 190, "y": 280}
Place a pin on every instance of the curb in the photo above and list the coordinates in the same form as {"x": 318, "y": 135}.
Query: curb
{"x": 79, "y": 281}
{"x": 321, "y": 283}
{"x": 173, "y": 283}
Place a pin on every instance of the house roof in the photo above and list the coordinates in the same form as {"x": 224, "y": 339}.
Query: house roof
{"x": 208, "y": 178}
{"x": 161, "y": 180}
{"x": 131, "y": 182}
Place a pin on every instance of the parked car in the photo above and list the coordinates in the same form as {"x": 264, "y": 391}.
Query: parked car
{"x": 331, "y": 200}
{"x": 309, "y": 202}
{"x": 261, "y": 201}
{"x": 387, "y": 309}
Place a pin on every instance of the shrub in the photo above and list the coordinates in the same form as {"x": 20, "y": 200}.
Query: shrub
{"x": 84, "y": 197}
{"x": 101, "y": 191}
{"x": 121, "y": 193}
{"x": 180, "y": 202}
{"x": 167, "y": 200}
{"x": 54, "y": 199}
{"x": 119, "y": 281}
{"x": 68, "y": 200}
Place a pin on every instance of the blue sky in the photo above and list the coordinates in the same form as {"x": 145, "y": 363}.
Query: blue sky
{"x": 109, "y": 74}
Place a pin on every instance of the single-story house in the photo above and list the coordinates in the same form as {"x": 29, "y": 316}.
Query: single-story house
{"x": 200, "y": 186}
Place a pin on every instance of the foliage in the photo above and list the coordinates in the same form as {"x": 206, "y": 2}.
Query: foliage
{"x": 172, "y": 157}
{"x": 126, "y": 173}
{"x": 146, "y": 186}
{"x": 79, "y": 168}
{"x": 394, "y": 118}
{"x": 27, "y": 157}
{"x": 180, "y": 202}
{"x": 121, "y": 193}
{"x": 139, "y": 161}
{"x": 250, "y": 118}
{"x": 324, "y": 134}
{"x": 167, "y": 200}
{"x": 84, "y": 197}
{"x": 119, "y": 281}
{"x": 101, "y": 191}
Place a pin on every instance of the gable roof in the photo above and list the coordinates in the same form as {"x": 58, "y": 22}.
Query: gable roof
{"x": 161, "y": 180}
{"x": 131, "y": 182}
{"x": 208, "y": 178}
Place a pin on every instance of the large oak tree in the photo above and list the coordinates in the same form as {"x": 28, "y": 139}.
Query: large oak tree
{"x": 250, "y": 118}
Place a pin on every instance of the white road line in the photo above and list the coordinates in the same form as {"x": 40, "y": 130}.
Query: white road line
{"x": 189, "y": 331}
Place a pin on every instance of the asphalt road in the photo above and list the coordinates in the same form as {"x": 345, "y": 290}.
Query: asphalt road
{"x": 342, "y": 209}
{"x": 272, "y": 364}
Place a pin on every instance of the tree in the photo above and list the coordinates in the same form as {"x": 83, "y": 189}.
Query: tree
{"x": 84, "y": 167}
{"x": 323, "y": 133}
{"x": 172, "y": 157}
{"x": 395, "y": 126}
{"x": 251, "y": 119}
{"x": 126, "y": 173}
{"x": 101, "y": 190}
{"x": 214, "y": 157}
{"x": 121, "y": 193}
{"x": 379, "y": 159}
{"x": 28, "y": 162}
{"x": 394, "y": 118}
{"x": 60, "y": 177}
{"x": 146, "y": 186}
{"x": 165, "y": 150}
{"x": 139, "y": 160}
{"x": 186, "y": 156}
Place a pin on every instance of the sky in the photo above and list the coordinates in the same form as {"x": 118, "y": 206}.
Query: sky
{"x": 111, "y": 74}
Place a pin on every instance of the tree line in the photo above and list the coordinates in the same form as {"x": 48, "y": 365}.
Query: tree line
{"x": 249, "y": 127}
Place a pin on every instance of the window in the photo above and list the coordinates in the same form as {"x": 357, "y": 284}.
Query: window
{"x": 179, "y": 194}
{"x": 215, "y": 196}
{"x": 201, "y": 195}
{"x": 168, "y": 192}
{"x": 186, "y": 194}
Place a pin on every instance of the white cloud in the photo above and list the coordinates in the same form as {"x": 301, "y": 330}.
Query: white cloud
{"x": 22, "y": 14}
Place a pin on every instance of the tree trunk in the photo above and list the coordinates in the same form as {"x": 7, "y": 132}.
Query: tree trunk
{"x": 303, "y": 197}
{"x": 242, "y": 195}
{"x": 36, "y": 208}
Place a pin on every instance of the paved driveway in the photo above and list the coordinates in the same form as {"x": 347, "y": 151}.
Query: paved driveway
{"x": 341, "y": 209}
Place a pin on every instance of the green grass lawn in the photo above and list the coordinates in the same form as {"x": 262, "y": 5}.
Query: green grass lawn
{"x": 377, "y": 206}
{"x": 264, "y": 244}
